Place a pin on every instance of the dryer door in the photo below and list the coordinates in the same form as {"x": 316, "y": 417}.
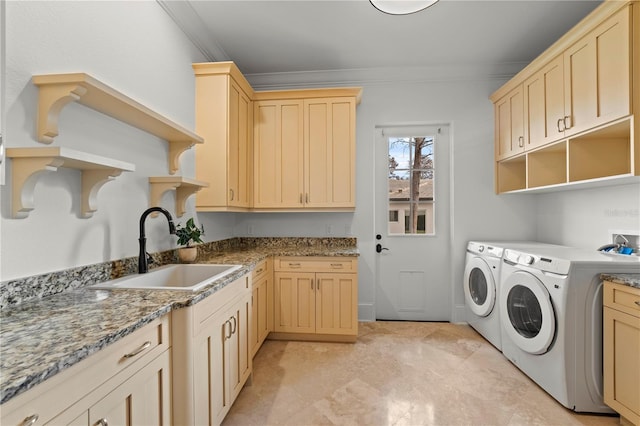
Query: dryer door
{"x": 527, "y": 313}
{"x": 479, "y": 286}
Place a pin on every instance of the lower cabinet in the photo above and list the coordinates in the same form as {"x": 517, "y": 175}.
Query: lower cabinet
{"x": 214, "y": 357}
{"x": 261, "y": 304}
{"x": 127, "y": 383}
{"x": 621, "y": 338}
{"x": 316, "y": 298}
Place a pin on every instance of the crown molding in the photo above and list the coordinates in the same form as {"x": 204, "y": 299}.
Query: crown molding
{"x": 387, "y": 75}
{"x": 194, "y": 28}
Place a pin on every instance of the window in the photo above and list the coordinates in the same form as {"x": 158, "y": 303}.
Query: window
{"x": 411, "y": 177}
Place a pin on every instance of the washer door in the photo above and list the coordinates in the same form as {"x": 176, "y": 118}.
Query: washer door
{"x": 527, "y": 312}
{"x": 479, "y": 287}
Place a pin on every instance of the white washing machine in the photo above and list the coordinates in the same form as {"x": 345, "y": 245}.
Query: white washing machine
{"x": 481, "y": 285}
{"x": 551, "y": 314}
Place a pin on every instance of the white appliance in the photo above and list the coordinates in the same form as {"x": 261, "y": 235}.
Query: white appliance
{"x": 481, "y": 285}
{"x": 551, "y": 314}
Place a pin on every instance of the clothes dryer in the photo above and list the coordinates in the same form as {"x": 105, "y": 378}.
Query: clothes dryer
{"x": 481, "y": 285}
{"x": 551, "y": 315}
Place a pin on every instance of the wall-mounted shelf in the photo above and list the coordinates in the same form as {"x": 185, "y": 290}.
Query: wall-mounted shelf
{"x": 58, "y": 90}
{"x": 28, "y": 164}
{"x": 184, "y": 188}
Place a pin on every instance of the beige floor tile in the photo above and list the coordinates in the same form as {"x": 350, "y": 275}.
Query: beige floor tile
{"x": 397, "y": 373}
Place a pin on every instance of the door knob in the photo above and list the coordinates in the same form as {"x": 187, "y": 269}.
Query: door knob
{"x": 379, "y": 248}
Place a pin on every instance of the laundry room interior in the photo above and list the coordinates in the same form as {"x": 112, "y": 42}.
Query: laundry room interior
{"x": 400, "y": 212}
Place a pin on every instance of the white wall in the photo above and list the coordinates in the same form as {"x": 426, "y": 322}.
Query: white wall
{"x": 477, "y": 212}
{"x": 587, "y": 218}
{"x": 135, "y": 48}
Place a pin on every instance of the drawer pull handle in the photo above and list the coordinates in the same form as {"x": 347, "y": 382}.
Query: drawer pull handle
{"x": 102, "y": 422}
{"x": 294, "y": 265}
{"x": 337, "y": 265}
{"x": 638, "y": 302}
{"x": 235, "y": 325}
{"x": 259, "y": 271}
{"x": 560, "y": 120}
{"x": 31, "y": 420}
{"x": 144, "y": 346}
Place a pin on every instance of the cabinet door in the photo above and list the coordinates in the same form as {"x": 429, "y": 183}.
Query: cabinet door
{"x": 260, "y": 312}
{"x": 336, "y": 303}
{"x": 278, "y": 154}
{"x": 544, "y": 105}
{"x": 597, "y": 77}
{"x": 239, "y": 353}
{"x": 622, "y": 363}
{"x": 144, "y": 399}
{"x": 509, "y": 127}
{"x": 329, "y": 136}
{"x": 295, "y": 302}
{"x": 238, "y": 147}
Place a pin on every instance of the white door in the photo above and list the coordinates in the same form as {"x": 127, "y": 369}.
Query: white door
{"x": 412, "y": 220}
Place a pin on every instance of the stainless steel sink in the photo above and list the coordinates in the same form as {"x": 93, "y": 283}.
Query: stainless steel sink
{"x": 190, "y": 277}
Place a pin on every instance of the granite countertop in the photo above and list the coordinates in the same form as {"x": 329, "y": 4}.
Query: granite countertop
{"x": 632, "y": 280}
{"x": 42, "y": 337}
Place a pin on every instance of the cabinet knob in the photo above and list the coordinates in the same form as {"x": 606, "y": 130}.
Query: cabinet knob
{"x": 102, "y": 422}
{"x": 31, "y": 420}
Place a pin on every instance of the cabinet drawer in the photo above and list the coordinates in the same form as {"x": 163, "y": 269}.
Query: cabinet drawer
{"x": 262, "y": 269}
{"x": 622, "y": 298}
{"x": 48, "y": 399}
{"x": 208, "y": 307}
{"x": 316, "y": 264}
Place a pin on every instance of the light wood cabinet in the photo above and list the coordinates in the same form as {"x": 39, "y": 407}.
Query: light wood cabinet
{"x": 261, "y": 304}
{"x": 304, "y": 150}
{"x": 622, "y": 350}
{"x": 127, "y": 383}
{"x": 579, "y": 98}
{"x": 509, "y": 125}
{"x": 315, "y": 298}
{"x": 214, "y": 360}
{"x": 224, "y": 118}
{"x": 278, "y": 154}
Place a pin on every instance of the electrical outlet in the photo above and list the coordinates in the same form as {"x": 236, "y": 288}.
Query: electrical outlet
{"x": 249, "y": 229}
{"x": 329, "y": 229}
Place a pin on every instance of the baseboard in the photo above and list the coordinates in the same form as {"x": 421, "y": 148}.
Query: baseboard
{"x": 459, "y": 314}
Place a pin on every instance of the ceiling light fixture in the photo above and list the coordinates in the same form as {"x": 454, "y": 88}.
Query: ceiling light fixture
{"x": 401, "y": 7}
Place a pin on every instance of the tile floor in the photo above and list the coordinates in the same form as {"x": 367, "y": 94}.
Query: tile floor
{"x": 397, "y": 373}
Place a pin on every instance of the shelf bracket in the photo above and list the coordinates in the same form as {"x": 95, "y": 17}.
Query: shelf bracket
{"x": 176, "y": 148}
{"x": 25, "y": 174}
{"x": 184, "y": 188}
{"x": 92, "y": 181}
{"x": 52, "y": 99}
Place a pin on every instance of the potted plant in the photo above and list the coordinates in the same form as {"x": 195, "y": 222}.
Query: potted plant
{"x": 189, "y": 235}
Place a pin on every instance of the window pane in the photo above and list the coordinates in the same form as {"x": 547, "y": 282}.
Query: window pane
{"x": 411, "y": 176}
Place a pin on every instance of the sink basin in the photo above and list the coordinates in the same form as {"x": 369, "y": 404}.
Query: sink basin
{"x": 190, "y": 277}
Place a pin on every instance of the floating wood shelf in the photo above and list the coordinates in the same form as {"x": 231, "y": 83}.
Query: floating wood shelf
{"x": 184, "y": 188}
{"x": 28, "y": 164}
{"x": 58, "y": 90}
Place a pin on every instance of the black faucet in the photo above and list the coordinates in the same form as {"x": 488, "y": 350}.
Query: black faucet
{"x": 143, "y": 257}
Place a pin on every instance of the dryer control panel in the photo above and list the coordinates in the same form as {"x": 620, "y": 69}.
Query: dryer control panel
{"x": 542, "y": 263}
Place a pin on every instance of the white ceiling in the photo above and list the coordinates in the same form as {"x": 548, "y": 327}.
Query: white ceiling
{"x": 268, "y": 36}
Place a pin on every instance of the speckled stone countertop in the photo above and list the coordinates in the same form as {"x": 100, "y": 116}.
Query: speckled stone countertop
{"x": 632, "y": 280}
{"x": 42, "y": 337}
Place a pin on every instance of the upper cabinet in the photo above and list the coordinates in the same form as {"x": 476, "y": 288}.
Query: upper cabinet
{"x": 304, "y": 150}
{"x": 224, "y": 119}
{"x": 287, "y": 150}
{"x": 578, "y": 102}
